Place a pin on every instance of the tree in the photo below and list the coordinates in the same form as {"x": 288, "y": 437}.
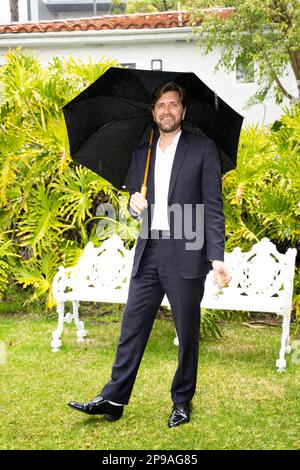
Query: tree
{"x": 148, "y": 6}
{"x": 261, "y": 32}
{"x": 14, "y": 10}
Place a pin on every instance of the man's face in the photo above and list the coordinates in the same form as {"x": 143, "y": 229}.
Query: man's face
{"x": 168, "y": 112}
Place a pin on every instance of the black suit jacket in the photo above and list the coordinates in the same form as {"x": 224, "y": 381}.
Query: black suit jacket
{"x": 195, "y": 180}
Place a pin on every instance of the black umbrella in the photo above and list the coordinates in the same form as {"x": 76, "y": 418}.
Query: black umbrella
{"x": 112, "y": 116}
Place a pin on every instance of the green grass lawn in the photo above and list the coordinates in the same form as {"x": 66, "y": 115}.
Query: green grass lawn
{"x": 241, "y": 401}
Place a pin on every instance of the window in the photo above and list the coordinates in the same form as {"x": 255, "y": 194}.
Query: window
{"x": 156, "y": 64}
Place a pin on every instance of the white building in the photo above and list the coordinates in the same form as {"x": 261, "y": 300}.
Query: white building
{"x": 145, "y": 41}
{"x": 37, "y": 10}
{"x": 57, "y": 9}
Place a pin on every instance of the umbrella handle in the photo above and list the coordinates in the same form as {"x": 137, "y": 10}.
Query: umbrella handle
{"x": 143, "y": 190}
{"x": 144, "y": 185}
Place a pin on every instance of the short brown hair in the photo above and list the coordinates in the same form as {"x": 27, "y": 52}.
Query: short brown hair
{"x": 169, "y": 86}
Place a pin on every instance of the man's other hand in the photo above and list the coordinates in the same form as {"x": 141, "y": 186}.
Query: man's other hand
{"x": 138, "y": 203}
{"x": 222, "y": 274}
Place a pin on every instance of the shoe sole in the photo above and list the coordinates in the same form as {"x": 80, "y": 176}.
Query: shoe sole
{"x": 107, "y": 417}
{"x": 112, "y": 418}
{"x": 178, "y": 424}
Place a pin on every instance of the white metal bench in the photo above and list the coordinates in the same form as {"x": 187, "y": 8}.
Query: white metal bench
{"x": 262, "y": 281}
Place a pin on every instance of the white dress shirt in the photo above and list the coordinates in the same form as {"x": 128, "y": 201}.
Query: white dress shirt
{"x": 162, "y": 175}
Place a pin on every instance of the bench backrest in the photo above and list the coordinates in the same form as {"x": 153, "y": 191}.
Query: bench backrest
{"x": 106, "y": 266}
{"x": 262, "y": 273}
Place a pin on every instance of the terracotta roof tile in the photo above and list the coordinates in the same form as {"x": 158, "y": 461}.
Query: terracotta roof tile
{"x": 168, "y": 19}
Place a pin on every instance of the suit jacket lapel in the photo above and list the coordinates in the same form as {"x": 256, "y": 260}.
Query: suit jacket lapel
{"x": 178, "y": 161}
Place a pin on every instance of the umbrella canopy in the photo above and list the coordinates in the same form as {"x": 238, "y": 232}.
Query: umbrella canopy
{"x": 107, "y": 120}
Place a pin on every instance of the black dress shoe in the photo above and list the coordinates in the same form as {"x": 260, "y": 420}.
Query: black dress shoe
{"x": 180, "y": 414}
{"x": 99, "y": 406}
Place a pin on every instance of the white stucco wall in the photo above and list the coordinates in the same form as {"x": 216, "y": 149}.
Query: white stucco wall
{"x": 140, "y": 47}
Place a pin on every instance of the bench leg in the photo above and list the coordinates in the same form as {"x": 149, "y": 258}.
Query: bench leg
{"x": 81, "y": 332}
{"x": 288, "y": 347}
{"x": 62, "y": 318}
{"x": 56, "y": 341}
{"x": 285, "y": 342}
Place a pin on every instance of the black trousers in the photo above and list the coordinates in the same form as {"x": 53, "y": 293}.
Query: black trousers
{"x": 146, "y": 291}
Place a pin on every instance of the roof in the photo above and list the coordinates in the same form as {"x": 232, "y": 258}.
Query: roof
{"x": 167, "y": 19}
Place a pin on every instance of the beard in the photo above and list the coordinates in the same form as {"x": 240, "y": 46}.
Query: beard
{"x": 170, "y": 126}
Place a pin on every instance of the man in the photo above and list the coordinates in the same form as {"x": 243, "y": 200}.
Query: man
{"x": 177, "y": 245}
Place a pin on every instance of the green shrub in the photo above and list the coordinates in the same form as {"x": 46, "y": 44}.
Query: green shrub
{"x": 48, "y": 204}
{"x": 262, "y": 195}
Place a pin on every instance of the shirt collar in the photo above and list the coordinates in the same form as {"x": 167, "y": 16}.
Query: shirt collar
{"x": 174, "y": 141}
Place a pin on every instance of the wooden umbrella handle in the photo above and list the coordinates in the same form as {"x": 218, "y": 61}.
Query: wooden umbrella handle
{"x": 144, "y": 185}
